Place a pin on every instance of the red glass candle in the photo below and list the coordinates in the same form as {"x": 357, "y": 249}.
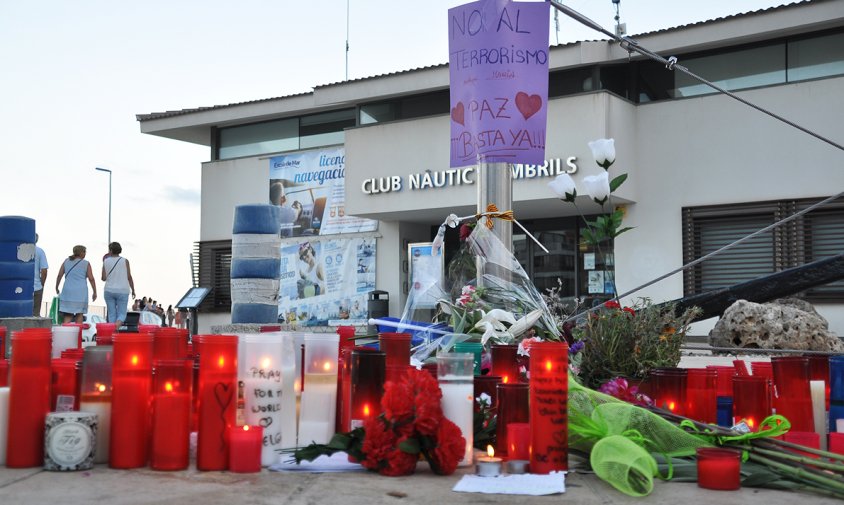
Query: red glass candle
{"x": 347, "y": 342}
{"x": 549, "y": 401}
{"x": 701, "y": 395}
{"x": 718, "y": 469}
{"x": 4, "y": 373}
{"x": 669, "y": 389}
{"x": 805, "y": 438}
{"x": 29, "y": 397}
{"x": 819, "y": 371}
{"x": 396, "y": 346}
{"x": 64, "y": 391}
{"x": 724, "y": 382}
{"x": 504, "y": 362}
{"x": 74, "y": 354}
{"x": 217, "y": 397}
{"x": 762, "y": 369}
{"x": 793, "y": 398}
{"x": 2, "y": 342}
{"x": 367, "y": 378}
{"x": 487, "y": 384}
{"x": 170, "y": 343}
{"x": 836, "y": 442}
{"x": 512, "y": 408}
{"x": 131, "y": 387}
{"x": 171, "y": 412}
{"x": 104, "y": 333}
{"x": 245, "y": 453}
{"x": 751, "y": 400}
{"x": 518, "y": 441}
{"x": 148, "y": 328}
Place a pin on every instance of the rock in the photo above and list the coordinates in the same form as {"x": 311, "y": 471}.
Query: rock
{"x": 782, "y": 324}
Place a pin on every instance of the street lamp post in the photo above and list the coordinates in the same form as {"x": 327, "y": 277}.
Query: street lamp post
{"x": 109, "y": 200}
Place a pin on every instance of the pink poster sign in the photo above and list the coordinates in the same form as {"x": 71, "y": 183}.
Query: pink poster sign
{"x": 498, "y": 70}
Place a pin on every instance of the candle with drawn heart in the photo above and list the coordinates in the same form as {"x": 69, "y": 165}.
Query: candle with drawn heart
{"x": 548, "y": 407}
{"x": 171, "y": 403}
{"x": 319, "y": 398}
{"x": 131, "y": 387}
{"x": 217, "y": 398}
{"x": 263, "y": 389}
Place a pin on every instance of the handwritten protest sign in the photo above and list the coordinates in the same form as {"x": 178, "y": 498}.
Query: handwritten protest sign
{"x": 498, "y": 66}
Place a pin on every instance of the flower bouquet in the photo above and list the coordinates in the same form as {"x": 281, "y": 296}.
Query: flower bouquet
{"x": 411, "y": 424}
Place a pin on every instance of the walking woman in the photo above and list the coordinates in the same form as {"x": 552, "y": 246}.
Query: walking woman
{"x": 118, "y": 284}
{"x": 73, "y": 299}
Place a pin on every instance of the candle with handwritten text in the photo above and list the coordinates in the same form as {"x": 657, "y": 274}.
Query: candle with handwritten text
{"x": 263, "y": 391}
{"x": 548, "y": 407}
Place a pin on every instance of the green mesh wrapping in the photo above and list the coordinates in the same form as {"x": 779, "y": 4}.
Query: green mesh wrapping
{"x": 626, "y": 466}
{"x": 621, "y": 438}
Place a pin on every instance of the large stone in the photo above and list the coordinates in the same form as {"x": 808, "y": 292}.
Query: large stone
{"x": 787, "y": 323}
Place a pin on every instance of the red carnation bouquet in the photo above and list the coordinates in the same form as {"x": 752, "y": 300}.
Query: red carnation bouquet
{"x": 411, "y": 423}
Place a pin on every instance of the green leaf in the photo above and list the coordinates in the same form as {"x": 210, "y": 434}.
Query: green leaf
{"x": 340, "y": 441}
{"x": 619, "y": 232}
{"x": 617, "y": 181}
{"x": 410, "y": 446}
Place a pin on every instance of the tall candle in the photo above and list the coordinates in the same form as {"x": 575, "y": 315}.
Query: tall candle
{"x": 504, "y": 362}
{"x": 367, "y": 378}
{"x": 818, "y": 391}
{"x": 217, "y": 399}
{"x": 289, "y": 385}
{"x": 4, "y": 422}
{"x": 793, "y": 396}
{"x": 64, "y": 337}
{"x": 751, "y": 400}
{"x": 131, "y": 388}
{"x": 261, "y": 374}
{"x": 29, "y": 397}
{"x": 548, "y": 407}
{"x": 95, "y": 396}
{"x": 171, "y": 406}
{"x": 64, "y": 394}
{"x": 319, "y": 398}
{"x": 513, "y": 407}
{"x": 455, "y": 373}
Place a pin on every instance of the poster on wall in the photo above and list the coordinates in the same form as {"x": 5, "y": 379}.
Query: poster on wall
{"x": 498, "y": 75}
{"x": 326, "y": 281}
{"x": 426, "y": 275}
{"x": 310, "y": 188}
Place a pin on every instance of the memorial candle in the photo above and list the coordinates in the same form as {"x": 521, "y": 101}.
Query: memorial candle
{"x": 64, "y": 337}
{"x": 793, "y": 397}
{"x": 131, "y": 387}
{"x": 548, "y": 407}
{"x": 347, "y": 343}
{"x": 513, "y": 407}
{"x": 504, "y": 362}
{"x": 752, "y": 400}
{"x": 64, "y": 394}
{"x": 171, "y": 412}
{"x": 818, "y": 391}
{"x": 718, "y": 469}
{"x": 4, "y": 422}
{"x": 367, "y": 378}
{"x": 95, "y": 394}
{"x": 245, "y": 448}
{"x": 263, "y": 389}
{"x": 216, "y": 399}
{"x": 29, "y": 397}
{"x": 319, "y": 398}
{"x": 455, "y": 372}
{"x": 4, "y": 373}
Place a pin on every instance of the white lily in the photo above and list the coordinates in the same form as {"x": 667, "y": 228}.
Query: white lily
{"x": 603, "y": 150}
{"x": 525, "y": 323}
{"x": 564, "y": 187}
{"x": 598, "y": 187}
{"x": 492, "y": 324}
{"x": 452, "y": 220}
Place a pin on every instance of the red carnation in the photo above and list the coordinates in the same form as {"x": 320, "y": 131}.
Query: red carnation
{"x": 450, "y": 448}
{"x": 612, "y": 304}
{"x": 399, "y": 462}
{"x": 397, "y": 402}
{"x": 377, "y": 443}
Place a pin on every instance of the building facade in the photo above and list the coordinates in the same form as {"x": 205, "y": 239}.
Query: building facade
{"x": 704, "y": 169}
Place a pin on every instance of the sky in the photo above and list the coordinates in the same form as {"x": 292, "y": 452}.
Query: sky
{"x": 74, "y": 74}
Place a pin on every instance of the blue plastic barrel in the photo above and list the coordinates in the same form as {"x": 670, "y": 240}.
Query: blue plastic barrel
{"x": 256, "y": 268}
{"x": 256, "y": 218}
{"x": 255, "y": 313}
{"x": 17, "y": 265}
{"x": 17, "y": 229}
{"x": 17, "y": 289}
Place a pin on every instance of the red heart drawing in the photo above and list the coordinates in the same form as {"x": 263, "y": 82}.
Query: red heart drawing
{"x": 528, "y": 105}
{"x": 457, "y": 113}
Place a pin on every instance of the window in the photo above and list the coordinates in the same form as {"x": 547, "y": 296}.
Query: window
{"x": 325, "y": 129}
{"x": 260, "y": 138}
{"x": 811, "y": 237}
{"x": 816, "y": 57}
{"x": 215, "y": 261}
{"x": 746, "y": 68}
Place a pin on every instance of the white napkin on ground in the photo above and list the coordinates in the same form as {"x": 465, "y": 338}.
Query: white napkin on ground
{"x": 528, "y": 484}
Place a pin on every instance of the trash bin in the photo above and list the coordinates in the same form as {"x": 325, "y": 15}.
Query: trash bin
{"x": 377, "y": 305}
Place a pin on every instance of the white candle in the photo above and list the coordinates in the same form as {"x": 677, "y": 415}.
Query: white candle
{"x": 319, "y": 405}
{"x": 457, "y": 407}
{"x": 103, "y": 411}
{"x": 4, "y": 422}
{"x": 263, "y": 408}
{"x": 289, "y": 405}
{"x": 818, "y": 389}
{"x": 64, "y": 337}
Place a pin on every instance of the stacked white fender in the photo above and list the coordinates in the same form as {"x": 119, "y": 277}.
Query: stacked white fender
{"x": 17, "y": 266}
{"x": 256, "y": 264}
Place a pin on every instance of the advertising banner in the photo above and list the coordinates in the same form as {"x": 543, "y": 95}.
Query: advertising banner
{"x": 310, "y": 187}
{"x": 326, "y": 280}
{"x": 498, "y": 74}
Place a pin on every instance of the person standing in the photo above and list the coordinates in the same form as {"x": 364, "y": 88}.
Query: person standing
{"x": 40, "y": 278}
{"x": 171, "y": 315}
{"x": 118, "y": 284}
{"x": 73, "y": 299}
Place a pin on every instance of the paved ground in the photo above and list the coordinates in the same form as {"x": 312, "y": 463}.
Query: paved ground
{"x": 103, "y": 485}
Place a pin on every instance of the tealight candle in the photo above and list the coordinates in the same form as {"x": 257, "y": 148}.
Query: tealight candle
{"x": 488, "y": 466}
{"x": 718, "y": 469}
{"x": 517, "y": 466}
